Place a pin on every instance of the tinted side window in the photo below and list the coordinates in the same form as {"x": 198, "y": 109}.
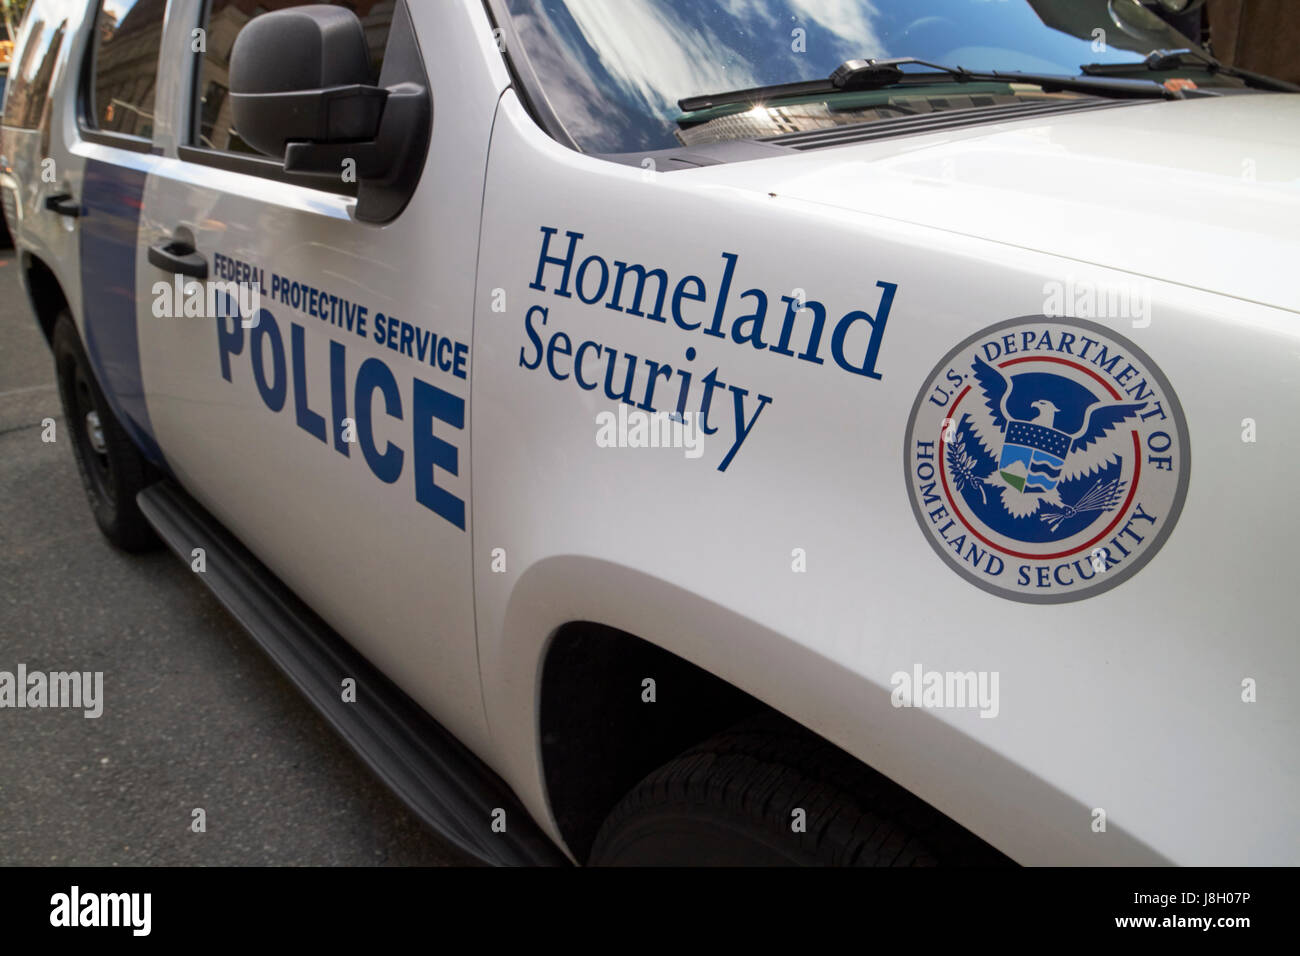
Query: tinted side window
{"x": 127, "y": 35}
{"x": 30, "y": 78}
{"x": 214, "y": 123}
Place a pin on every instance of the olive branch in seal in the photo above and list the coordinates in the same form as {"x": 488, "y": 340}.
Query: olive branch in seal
{"x": 962, "y": 464}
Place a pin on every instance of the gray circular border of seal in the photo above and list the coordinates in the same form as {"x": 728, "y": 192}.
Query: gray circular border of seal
{"x": 1180, "y": 493}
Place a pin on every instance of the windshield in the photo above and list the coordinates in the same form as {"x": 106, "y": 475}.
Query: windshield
{"x": 613, "y": 70}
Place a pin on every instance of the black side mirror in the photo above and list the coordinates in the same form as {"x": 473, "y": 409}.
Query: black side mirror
{"x": 301, "y": 91}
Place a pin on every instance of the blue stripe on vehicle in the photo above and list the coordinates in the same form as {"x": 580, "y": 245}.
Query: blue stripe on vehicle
{"x": 112, "y": 197}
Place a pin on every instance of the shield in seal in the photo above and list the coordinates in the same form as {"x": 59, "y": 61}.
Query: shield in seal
{"x": 1031, "y": 457}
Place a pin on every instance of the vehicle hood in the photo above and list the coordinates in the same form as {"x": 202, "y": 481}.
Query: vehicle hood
{"x": 1201, "y": 192}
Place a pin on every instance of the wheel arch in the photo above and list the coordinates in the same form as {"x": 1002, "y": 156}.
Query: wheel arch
{"x": 560, "y": 598}
{"x": 627, "y": 727}
{"x": 44, "y": 293}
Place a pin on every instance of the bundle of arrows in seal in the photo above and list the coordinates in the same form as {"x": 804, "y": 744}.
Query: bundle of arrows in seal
{"x": 1103, "y": 496}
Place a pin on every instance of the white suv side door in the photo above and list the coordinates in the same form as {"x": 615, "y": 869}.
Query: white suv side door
{"x": 328, "y": 429}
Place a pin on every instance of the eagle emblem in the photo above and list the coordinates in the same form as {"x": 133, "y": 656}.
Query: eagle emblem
{"x": 1034, "y": 456}
{"x": 1046, "y": 458}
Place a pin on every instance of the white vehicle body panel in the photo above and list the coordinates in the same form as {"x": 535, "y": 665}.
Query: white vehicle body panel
{"x": 1128, "y": 701}
{"x": 1188, "y": 192}
{"x": 1122, "y": 701}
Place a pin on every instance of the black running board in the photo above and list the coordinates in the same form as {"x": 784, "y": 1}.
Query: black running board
{"x": 445, "y": 784}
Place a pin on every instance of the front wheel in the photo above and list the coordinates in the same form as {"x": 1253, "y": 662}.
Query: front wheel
{"x": 112, "y": 469}
{"x": 768, "y": 793}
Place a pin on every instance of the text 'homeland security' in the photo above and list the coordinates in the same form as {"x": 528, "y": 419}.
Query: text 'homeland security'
{"x": 622, "y": 287}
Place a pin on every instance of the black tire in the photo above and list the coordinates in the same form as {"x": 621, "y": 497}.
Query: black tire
{"x": 730, "y": 801}
{"x": 112, "y": 469}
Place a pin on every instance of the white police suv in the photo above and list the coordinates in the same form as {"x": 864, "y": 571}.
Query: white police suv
{"x": 660, "y": 431}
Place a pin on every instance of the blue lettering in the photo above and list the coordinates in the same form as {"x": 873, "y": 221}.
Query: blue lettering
{"x": 273, "y": 392}
{"x": 372, "y": 375}
{"x": 428, "y": 402}
{"x": 307, "y": 420}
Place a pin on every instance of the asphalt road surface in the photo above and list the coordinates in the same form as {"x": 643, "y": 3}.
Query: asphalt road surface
{"x": 194, "y": 715}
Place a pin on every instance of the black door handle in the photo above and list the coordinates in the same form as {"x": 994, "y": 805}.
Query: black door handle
{"x": 63, "y": 204}
{"x": 180, "y": 257}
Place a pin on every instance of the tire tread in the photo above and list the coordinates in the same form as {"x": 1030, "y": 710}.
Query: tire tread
{"x": 757, "y": 772}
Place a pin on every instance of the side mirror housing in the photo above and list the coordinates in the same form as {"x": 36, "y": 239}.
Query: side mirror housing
{"x": 321, "y": 93}
{"x": 317, "y": 109}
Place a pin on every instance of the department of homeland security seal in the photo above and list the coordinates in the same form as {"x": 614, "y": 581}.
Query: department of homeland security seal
{"x": 1046, "y": 459}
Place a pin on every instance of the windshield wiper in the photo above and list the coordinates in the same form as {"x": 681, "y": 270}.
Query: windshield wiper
{"x": 1185, "y": 58}
{"x": 857, "y": 75}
